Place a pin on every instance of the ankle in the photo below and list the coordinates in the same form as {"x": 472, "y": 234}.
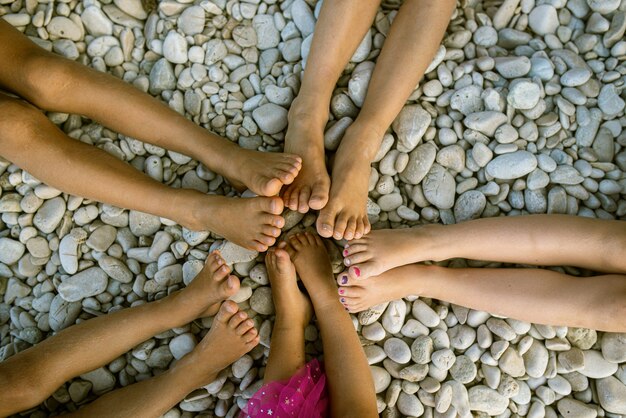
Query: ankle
{"x": 309, "y": 111}
{"x": 368, "y": 135}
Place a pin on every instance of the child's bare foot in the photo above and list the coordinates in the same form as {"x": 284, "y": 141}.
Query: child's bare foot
{"x": 310, "y": 257}
{"x": 345, "y": 215}
{"x": 253, "y": 223}
{"x": 290, "y": 303}
{"x": 310, "y": 189}
{"x": 231, "y": 336}
{"x": 264, "y": 173}
{"x": 359, "y": 295}
{"x": 385, "y": 249}
{"x": 211, "y": 286}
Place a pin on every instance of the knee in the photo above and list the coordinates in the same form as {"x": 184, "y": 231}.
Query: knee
{"x": 18, "y": 392}
{"x": 46, "y": 79}
{"x": 18, "y": 120}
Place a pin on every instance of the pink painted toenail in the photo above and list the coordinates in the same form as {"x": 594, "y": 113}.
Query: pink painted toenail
{"x": 357, "y": 271}
{"x": 345, "y": 253}
{"x": 341, "y": 291}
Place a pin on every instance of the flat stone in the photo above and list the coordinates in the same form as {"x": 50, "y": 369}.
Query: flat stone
{"x": 420, "y": 162}
{"x": 102, "y": 380}
{"x": 571, "y": 408}
{"x": 543, "y": 19}
{"x": 267, "y": 35}
{"x": 141, "y": 223}
{"x": 469, "y": 205}
{"x": 410, "y": 126}
{"x": 89, "y": 282}
{"x": 175, "y": 48}
{"x": 63, "y": 313}
{"x": 609, "y": 102}
{"x": 397, "y": 350}
{"x": 511, "y": 166}
{"x": 614, "y": 347}
{"x": 485, "y": 122}
{"x": 512, "y": 67}
{"x": 96, "y": 22}
{"x": 612, "y": 395}
{"x": 192, "y": 20}
{"x": 596, "y": 367}
{"x": 270, "y": 118}
{"x": 115, "y": 269}
{"x": 162, "y": 77}
{"x": 10, "y": 250}
{"x": 439, "y": 187}
{"x": 49, "y": 215}
{"x": 485, "y": 399}
{"x": 523, "y": 95}
{"x": 182, "y": 345}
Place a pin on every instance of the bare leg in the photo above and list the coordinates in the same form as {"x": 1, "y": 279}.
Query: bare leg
{"x": 230, "y": 337}
{"x": 29, "y": 377}
{"x": 533, "y": 295}
{"x": 351, "y": 388}
{"x": 53, "y": 83}
{"x": 31, "y": 141}
{"x": 551, "y": 240}
{"x": 293, "y": 313}
{"x": 341, "y": 26}
{"x": 414, "y": 37}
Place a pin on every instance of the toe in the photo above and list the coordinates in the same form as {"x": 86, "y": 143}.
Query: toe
{"x": 258, "y": 246}
{"x": 310, "y": 238}
{"x": 319, "y": 195}
{"x": 326, "y": 223}
{"x": 282, "y": 260}
{"x": 270, "y": 231}
{"x": 229, "y": 287}
{"x": 360, "y": 229}
{"x": 237, "y": 319}
{"x": 226, "y": 312}
{"x": 303, "y": 199}
{"x": 273, "y": 205}
{"x": 221, "y": 273}
{"x": 272, "y": 186}
{"x": 350, "y": 229}
{"x": 340, "y": 226}
{"x": 355, "y": 272}
{"x": 295, "y": 242}
{"x": 286, "y": 194}
{"x": 343, "y": 279}
{"x": 353, "y": 248}
{"x": 266, "y": 240}
{"x": 251, "y": 337}
{"x": 213, "y": 262}
{"x": 366, "y": 226}
{"x": 244, "y": 327}
{"x": 273, "y": 220}
{"x": 352, "y": 260}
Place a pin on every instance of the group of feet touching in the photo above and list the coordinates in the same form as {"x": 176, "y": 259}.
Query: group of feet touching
{"x": 381, "y": 265}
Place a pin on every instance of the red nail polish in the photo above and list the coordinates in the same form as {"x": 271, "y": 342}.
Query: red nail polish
{"x": 341, "y": 291}
{"x": 357, "y": 271}
{"x": 345, "y": 253}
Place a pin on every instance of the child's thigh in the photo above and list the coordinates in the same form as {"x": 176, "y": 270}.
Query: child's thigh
{"x": 16, "y": 51}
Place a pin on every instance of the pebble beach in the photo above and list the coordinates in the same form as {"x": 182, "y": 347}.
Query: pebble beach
{"x": 522, "y": 111}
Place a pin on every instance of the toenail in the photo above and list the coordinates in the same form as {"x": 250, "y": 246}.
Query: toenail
{"x": 341, "y": 291}
{"x": 346, "y": 261}
{"x": 344, "y": 279}
{"x": 357, "y": 272}
{"x": 345, "y": 253}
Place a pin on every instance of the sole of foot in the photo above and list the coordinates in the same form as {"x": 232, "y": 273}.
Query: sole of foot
{"x": 385, "y": 249}
{"x": 264, "y": 173}
{"x": 253, "y": 223}
{"x": 309, "y": 255}
{"x": 345, "y": 214}
{"x": 289, "y": 301}
{"x": 213, "y": 285}
{"x": 231, "y": 336}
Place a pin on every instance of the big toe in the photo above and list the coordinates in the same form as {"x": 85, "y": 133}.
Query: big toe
{"x": 326, "y": 223}
{"x": 272, "y": 187}
{"x": 226, "y": 312}
{"x": 273, "y": 205}
{"x": 319, "y": 196}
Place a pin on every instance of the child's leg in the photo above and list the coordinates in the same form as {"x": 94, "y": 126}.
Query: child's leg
{"x": 341, "y": 26}
{"x": 414, "y": 37}
{"x": 533, "y": 239}
{"x": 293, "y": 313}
{"x": 350, "y": 383}
{"x": 230, "y": 337}
{"x": 29, "y": 377}
{"x": 31, "y": 141}
{"x": 533, "y": 295}
{"x": 55, "y": 83}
